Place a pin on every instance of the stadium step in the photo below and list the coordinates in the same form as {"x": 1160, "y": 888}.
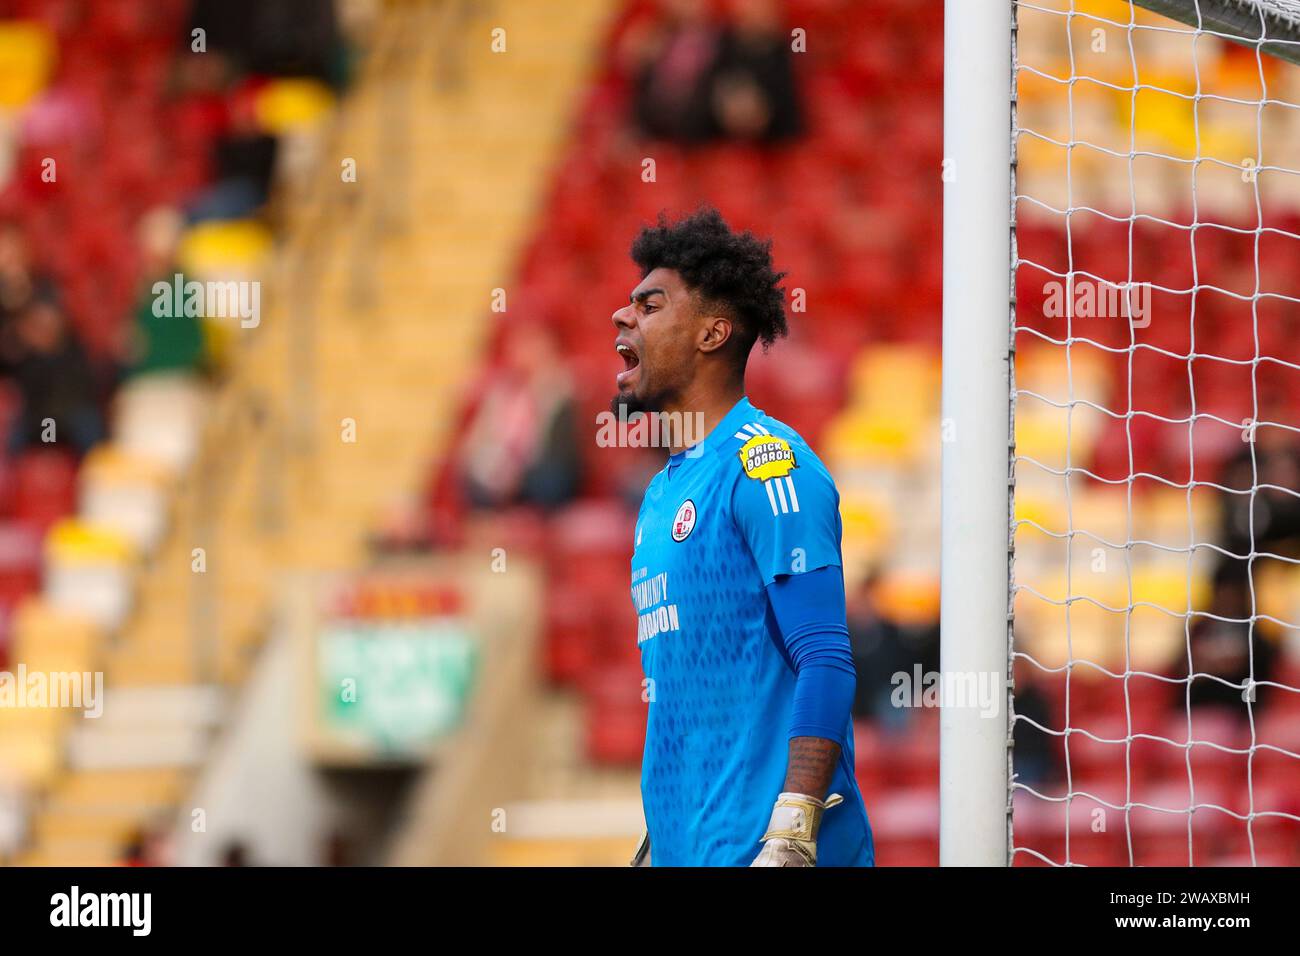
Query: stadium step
{"x": 147, "y": 727}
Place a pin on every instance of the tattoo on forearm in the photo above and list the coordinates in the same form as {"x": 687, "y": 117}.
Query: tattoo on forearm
{"x": 811, "y": 766}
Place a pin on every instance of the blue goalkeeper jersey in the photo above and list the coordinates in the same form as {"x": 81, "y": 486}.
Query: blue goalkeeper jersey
{"x": 718, "y": 524}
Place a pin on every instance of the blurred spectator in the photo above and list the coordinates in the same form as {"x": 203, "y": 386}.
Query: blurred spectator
{"x": 754, "y": 88}
{"x": 337, "y": 850}
{"x": 149, "y": 845}
{"x": 167, "y": 343}
{"x": 522, "y": 443}
{"x": 1035, "y": 750}
{"x": 1269, "y": 519}
{"x": 1227, "y": 652}
{"x": 1265, "y": 522}
{"x": 883, "y": 649}
{"x": 235, "y": 853}
{"x": 633, "y": 471}
{"x": 285, "y": 38}
{"x": 135, "y": 854}
{"x": 696, "y": 80}
{"x": 243, "y": 164}
{"x": 54, "y": 377}
{"x": 673, "y": 65}
{"x": 20, "y": 284}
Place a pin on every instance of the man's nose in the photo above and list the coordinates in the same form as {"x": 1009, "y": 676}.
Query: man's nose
{"x": 624, "y": 318}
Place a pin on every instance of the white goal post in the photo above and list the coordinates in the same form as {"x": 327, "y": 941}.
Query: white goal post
{"x": 975, "y": 481}
{"x": 1144, "y": 597}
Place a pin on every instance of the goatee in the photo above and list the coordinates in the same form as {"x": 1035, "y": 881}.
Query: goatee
{"x": 625, "y": 406}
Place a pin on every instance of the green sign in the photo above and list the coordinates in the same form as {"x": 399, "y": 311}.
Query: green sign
{"x": 394, "y": 686}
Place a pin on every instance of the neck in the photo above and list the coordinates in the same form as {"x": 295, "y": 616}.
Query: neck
{"x": 712, "y": 404}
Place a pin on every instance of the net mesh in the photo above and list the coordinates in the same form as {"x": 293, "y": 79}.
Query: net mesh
{"x": 1156, "y": 590}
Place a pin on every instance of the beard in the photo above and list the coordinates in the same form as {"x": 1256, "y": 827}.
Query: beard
{"x": 627, "y": 405}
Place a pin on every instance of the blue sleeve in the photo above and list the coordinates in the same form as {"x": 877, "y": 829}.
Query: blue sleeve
{"x": 790, "y": 521}
{"x": 809, "y": 609}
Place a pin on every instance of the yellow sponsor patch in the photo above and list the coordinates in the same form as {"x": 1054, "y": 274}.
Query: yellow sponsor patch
{"x": 766, "y": 456}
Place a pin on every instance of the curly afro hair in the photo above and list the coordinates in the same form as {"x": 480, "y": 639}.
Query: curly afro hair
{"x": 725, "y": 270}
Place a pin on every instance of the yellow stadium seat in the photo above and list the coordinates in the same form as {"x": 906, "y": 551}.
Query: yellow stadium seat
{"x": 27, "y": 55}
{"x": 896, "y": 381}
{"x": 1166, "y": 585}
{"x": 1042, "y": 510}
{"x": 221, "y": 247}
{"x": 864, "y": 517}
{"x": 291, "y": 105}
{"x": 859, "y": 437}
{"x": 909, "y": 597}
{"x": 73, "y": 542}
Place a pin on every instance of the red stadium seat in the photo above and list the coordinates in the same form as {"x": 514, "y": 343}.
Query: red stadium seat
{"x": 20, "y": 563}
{"x": 616, "y": 715}
{"x": 44, "y": 487}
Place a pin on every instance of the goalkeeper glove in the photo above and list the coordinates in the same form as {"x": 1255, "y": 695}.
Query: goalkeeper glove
{"x": 642, "y": 855}
{"x": 791, "y": 837}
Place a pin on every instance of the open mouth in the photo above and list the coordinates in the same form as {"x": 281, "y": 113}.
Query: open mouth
{"x": 631, "y": 362}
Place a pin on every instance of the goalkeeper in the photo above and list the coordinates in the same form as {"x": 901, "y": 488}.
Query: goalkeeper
{"x": 736, "y": 576}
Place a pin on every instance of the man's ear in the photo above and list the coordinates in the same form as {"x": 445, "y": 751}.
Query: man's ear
{"x": 714, "y": 333}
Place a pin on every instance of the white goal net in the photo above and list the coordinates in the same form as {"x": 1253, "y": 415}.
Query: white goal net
{"x": 1156, "y": 388}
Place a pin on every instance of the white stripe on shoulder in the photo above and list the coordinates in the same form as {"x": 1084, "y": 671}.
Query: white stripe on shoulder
{"x": 771, "y": 497}
{"x": 752, "y": 429}
{"x": 780, "y": 493}
{"x": 761, "y": 428}
{"x": 794, "y": 499}
{"x": 742, "y": 436}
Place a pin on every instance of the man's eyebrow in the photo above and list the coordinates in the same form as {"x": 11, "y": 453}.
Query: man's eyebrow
{"x": 645, "y": 294}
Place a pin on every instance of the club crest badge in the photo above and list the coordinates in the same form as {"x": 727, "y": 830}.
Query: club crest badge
{"x": 684, "y": 522}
